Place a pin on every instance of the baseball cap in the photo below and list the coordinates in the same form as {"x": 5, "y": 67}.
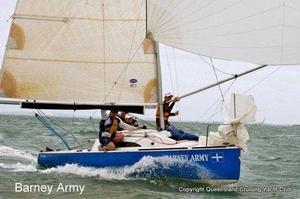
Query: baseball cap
{"x": 168, "y": 94}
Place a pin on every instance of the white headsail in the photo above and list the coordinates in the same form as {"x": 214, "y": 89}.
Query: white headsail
{"x": 87, "y": 51}
{"x": 255, "y": 31}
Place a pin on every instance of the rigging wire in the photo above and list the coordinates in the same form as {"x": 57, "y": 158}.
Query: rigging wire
{"x": 215, "y": 68}
{"x": 91, "y": 119}
{"x": 219, "y": 86}
{"x": 73, "y": 116}
{"x": 53, "y": 121}
{"x": 120, "y": 75}
{"x": 215, "y": 102}
{"x": 216, "y": 76}
{"x": 169, "y": 68}
{"x": 176, "y": 81}
{"x": 260, "y": 81}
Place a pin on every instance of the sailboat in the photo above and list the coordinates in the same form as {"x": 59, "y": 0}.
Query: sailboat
{"x": 85, "y": 54}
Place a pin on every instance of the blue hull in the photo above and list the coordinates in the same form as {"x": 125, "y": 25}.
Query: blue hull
{"x": 197, "y": 163}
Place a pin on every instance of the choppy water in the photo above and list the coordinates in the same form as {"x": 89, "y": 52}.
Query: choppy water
{"x": 271, "y": 161}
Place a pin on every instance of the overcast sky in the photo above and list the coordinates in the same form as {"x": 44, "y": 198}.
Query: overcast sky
{"x": 276, "y": 89}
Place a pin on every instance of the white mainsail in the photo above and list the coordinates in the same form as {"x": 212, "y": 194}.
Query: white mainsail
{"x": 255, "y": 31}
{"x": 87, "y": 51}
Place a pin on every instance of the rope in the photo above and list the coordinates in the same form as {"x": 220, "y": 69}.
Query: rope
{"x": 56, "y": 124}
{"x": 51, "y": 129}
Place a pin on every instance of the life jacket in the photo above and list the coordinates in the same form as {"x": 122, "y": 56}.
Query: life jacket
{"x": 111, "y": 128}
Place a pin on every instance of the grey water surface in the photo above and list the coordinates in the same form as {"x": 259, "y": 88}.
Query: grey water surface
{"x": 269, "y": 169}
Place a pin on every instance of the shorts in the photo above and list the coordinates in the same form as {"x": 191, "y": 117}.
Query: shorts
{"x": 105, "y": 140}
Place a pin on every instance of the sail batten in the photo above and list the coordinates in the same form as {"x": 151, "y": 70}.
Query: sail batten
{"x": 78, "y": 61}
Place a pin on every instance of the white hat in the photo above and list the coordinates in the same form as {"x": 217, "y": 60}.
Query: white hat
{"x": 128, "y": 116}
{"x": 168, "y": 95}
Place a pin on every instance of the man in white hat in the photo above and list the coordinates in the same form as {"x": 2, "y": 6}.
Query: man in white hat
{"x": 131, "y": 121}
{"x": 168, "y": 104}
{"x": 176, "y": 134}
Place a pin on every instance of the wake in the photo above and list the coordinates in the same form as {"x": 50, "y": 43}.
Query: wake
{"x": 147, "y": 168}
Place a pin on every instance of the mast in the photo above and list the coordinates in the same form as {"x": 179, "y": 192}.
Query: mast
{"x": 159, "y": 86}
{"x": 158, "y": 70}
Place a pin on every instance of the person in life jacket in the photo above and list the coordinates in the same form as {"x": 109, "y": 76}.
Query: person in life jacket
{"x": 109, "y": 125}
{"x": 167, "y": 110}
{"x": 176, "y": 134}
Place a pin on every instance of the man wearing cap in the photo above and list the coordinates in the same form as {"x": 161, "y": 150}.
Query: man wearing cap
{"x": 129, "y": 120}
{"x": 167, "y": 110}
{"x": 109, "y": 124}
{"x": 176, "y": 134}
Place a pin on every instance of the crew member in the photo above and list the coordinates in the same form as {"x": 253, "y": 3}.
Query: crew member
{"x": 131, "y": 121}
{"x": 176, "y": 134}
{"x": 109, "y": 125}
{"x": 167, "y": 110}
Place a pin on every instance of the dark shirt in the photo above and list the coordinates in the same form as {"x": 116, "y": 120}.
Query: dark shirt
{"x": 167, "y": 110}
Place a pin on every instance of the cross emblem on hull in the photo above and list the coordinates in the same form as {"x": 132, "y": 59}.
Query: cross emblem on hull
{"x": 217, "y": 157}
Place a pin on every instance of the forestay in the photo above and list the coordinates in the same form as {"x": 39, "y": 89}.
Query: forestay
{"x": 87, "y": 51}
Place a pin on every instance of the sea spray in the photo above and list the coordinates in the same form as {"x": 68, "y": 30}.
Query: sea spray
{"x": 18, "y": 167}
{"x": 6, "y": 151}
{"x": 147, "y": 167}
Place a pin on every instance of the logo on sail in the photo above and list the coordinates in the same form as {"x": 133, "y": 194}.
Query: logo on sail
{"x": 133, "y": 83}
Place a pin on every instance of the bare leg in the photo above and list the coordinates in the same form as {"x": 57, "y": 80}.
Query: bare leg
{"x": 118, "y": 138}
{"x": 110, "y": 147}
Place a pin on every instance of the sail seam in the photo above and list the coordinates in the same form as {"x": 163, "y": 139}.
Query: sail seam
{"x": 79, "y": 61}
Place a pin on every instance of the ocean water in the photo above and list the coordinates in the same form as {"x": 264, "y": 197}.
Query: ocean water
{"x": 270, "y": 167}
